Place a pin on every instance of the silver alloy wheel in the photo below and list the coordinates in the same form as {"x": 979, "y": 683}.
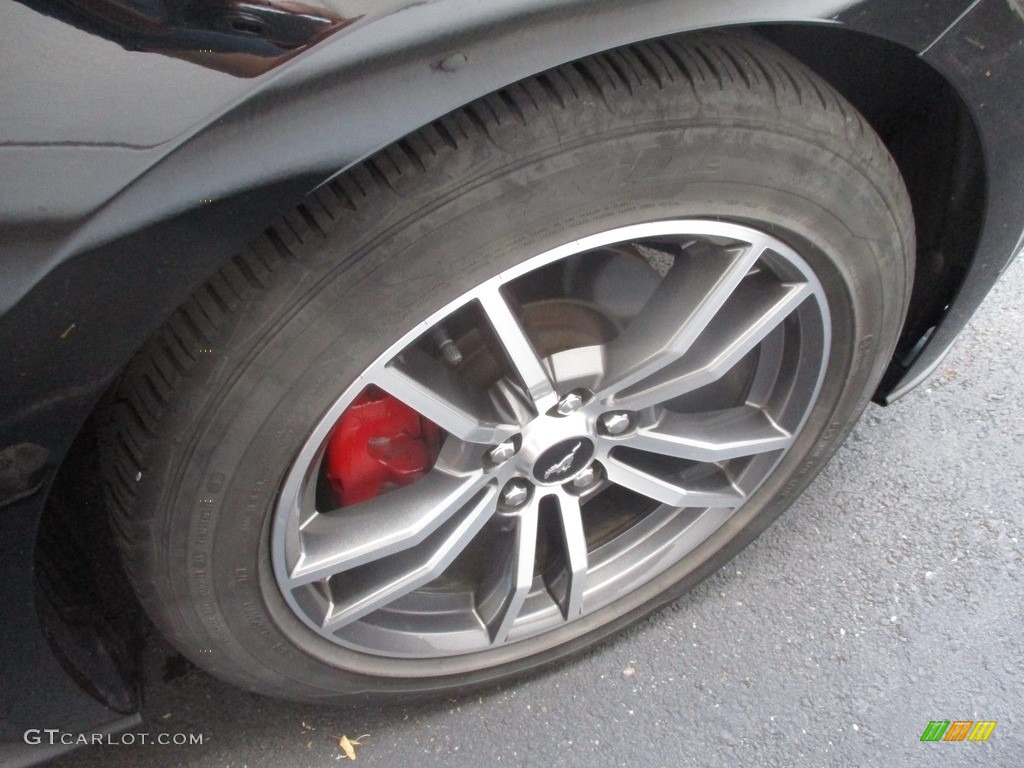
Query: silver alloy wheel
{"x": 575, "y": 471}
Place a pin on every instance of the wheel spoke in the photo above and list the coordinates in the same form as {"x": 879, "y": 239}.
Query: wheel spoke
{"x": 757, "y": 307}
{"x": 719, "y": 436}
{"x": 664, "y": 490}
{"x": 700, "y": 281}
{"x": 519, "y": 577}
{"x": 519, "y": 348}
{"x": 349, "y": 537}
{"x": 368, "y": 589}
{"x": 446, "y": 400}
{"x": 574, "y": 542}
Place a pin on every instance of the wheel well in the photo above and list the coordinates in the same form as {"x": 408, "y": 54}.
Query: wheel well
{"x": 930, "y": 134}
{"x": 925, "y": 126}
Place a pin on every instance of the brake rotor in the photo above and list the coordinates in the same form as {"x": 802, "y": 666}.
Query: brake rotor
{"x": 555, "y": 325}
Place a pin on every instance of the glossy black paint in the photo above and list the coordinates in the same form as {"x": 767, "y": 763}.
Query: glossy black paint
{"x": 109, "y": 155}
{"x": 178, "y": 134}
{"x": 245, "y": 38}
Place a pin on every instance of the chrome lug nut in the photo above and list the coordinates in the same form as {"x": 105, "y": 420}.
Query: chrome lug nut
{"x": 571, "y": 402}
{"x": 615, "y": 423}
{"x": 585, "y": 478}
{"x": 515, "y": 493}
{"x": 502, "y": 452}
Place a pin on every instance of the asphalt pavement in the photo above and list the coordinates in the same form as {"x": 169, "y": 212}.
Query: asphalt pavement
{"x": 888, "y": 596}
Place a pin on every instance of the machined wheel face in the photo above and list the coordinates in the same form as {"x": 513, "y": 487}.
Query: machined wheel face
{"x": 551, "y": 440}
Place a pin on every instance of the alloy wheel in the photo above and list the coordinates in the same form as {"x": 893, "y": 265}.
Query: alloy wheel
{"x": 551, "y": 440}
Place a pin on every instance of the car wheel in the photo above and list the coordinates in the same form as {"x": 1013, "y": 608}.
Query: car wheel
{"x": 517, "y": 380}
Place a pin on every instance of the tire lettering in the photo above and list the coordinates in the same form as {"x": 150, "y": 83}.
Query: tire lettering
{"x": 255, "y": 621}
{"x": 203, "y": 525}
{"x": 281, "y": 649}
{"x": 203, "y": 586}
{"x": 824, "y": 443}
{"x": 254, "y": 505}
{"x": 863, "y": 355}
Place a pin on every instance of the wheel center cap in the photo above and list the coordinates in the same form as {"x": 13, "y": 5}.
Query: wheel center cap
{"x": 563, "y": 460}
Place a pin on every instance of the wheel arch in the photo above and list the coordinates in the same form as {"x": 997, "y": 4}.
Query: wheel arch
{"x": 130, "y": 229}
{"x": 217, "y": 189}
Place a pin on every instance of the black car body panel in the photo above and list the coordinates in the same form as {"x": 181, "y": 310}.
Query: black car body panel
{"x": 984, "y": 57}
{"x": 134, "y": 167}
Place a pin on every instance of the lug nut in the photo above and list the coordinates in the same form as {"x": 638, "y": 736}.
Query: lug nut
{"x": 502, "y": 452}
{"x": 615, "y": 423}
{"x": 585, "y": 478}
{"x": 514, "y": 493}
{"x": 568, "y": 404}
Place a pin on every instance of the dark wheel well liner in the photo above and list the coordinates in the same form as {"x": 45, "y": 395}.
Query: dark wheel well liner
{"x": 930, "y": 134}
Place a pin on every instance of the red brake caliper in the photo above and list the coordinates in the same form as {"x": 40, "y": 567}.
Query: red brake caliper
{"x": 378, "y": 442}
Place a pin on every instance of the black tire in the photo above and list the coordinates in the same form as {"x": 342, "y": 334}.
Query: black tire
{"x": 210, "y": 415}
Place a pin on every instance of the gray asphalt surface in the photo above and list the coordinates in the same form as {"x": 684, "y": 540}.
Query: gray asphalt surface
{"x": 888, "y": 596}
